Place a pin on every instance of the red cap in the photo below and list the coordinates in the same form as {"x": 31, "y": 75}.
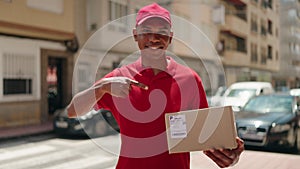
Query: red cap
{"x": 153, "y": 10}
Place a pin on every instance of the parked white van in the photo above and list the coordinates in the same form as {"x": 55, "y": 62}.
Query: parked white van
{"x": 239, "y": 93}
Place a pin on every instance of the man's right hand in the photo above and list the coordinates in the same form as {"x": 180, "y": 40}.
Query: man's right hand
{"x": 118, "y": 86}
{"x": 83, "y": 101}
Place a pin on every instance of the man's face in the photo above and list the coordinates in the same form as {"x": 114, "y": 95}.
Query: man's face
{"x": 153, "y": 35}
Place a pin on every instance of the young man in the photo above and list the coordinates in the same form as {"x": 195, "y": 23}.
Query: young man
{"x": 139, "y": 95}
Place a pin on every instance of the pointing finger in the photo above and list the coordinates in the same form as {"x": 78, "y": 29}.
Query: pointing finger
{"x": 138, "y": 84}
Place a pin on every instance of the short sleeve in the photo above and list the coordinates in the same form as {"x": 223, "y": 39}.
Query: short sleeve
{"x": 202, "y": 100}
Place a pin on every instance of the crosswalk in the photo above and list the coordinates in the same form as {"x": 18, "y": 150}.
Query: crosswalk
{"x": 56, "y": 154}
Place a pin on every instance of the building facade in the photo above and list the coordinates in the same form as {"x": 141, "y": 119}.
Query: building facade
{"x": 289, "y": 74}
{"x": 249, "y": 40}
{"x": 52, "y": 49}
{"x": 109, "y": 40}
{"x": 37, "y": 43}
{"x": 196, "y": 32}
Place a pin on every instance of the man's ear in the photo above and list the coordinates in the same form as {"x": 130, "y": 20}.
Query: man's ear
{"x": 171, "y": 37}
{"x": 134, "y": 32}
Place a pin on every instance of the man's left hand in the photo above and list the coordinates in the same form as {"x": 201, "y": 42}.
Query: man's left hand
{"x": 226, "y": 157}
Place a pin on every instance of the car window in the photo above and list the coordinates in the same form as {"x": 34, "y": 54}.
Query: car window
{"x": 242, "y": 93}
{"x": 270, "y": 104}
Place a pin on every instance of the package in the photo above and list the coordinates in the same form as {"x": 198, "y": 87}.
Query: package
{"x": 201, "y": 129}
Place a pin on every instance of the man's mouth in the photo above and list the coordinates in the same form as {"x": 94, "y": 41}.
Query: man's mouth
{"x": 154, "y": 47}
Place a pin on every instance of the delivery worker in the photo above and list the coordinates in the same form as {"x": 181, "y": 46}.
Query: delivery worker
{"x": 139, "y": 94}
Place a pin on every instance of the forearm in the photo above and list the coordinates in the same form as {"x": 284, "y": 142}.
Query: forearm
{"x": 84, "y": 101}
{"x": 115, "y": 86}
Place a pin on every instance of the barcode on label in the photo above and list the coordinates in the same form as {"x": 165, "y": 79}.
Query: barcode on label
{"x": 178, "y": 134}
{"x": 178, "y": 126}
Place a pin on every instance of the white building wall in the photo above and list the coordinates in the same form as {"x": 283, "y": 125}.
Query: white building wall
{"x": 29, "y": 48}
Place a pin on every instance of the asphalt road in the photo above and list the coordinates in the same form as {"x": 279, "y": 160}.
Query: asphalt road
{"x": 48, "y": 151}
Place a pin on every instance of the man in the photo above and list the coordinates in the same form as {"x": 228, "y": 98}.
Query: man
{"x": 139, "y": 95}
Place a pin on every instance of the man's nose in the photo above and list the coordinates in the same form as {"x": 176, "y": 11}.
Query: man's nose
{"x": 153, "y": 37}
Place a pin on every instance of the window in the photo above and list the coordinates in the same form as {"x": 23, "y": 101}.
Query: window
{"x": 92, "y": 14}
{"x": 294, "y": 47}
{"x": 270, "y": 52}
{"x": 270, "y": 4}
{"x": 241, "y": 44}
{"x": 118, "y": 10}
{"x": 254, "y": 23}
{"x": 253, "y": 53}
{"x": 264, "y": 4}
{"x": 85, "y": 79}
{"x": 18, "y": 74}
{"x": 270, "y": 27}
{"x": 263, "y": 29}
{"x": 17, "y": 86}
{"x": 263, "y": 60}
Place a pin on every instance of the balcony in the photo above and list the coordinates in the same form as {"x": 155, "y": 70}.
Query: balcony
{"x": 235, "y": 25}
{"x": 28, "y": 19}
{"x": 237, "y": 2}
{"x": 235, "y": 58}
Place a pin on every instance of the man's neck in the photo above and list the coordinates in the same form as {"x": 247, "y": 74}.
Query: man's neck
{"x": 156, "y": 64}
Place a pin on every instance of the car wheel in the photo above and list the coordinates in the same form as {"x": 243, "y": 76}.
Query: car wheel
{"x": 100, "y": 128}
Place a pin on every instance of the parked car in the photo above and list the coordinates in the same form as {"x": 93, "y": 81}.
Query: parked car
{"x": 217, "y": 98}
{"x": 94, "y": 123}
{"x": 295, "y": 92}
{"x": 269, "y": 121}
{"x": 239, "y": 93}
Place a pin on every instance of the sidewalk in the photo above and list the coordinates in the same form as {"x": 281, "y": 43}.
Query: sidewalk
{"x": 250, "y": 159}
{"x": 11, "y": 132}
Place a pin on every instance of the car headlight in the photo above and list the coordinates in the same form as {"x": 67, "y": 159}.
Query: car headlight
{"x": 86, "y": 116}
{"x": 280, "y": 128}
{"x": 82, "y": 118}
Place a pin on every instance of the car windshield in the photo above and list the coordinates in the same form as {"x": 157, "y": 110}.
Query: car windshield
{"x": 242, "y": 93}
{"x": 269, "y": 104}
{"x": 220, "y": 91}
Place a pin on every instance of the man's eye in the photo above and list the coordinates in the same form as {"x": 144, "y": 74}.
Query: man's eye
{"x": 163, "y": 33}
{"x": 145, "y": 31}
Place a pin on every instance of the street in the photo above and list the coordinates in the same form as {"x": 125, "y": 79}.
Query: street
{"x": 51, "y": 152}
{"x": 54, "y": 153}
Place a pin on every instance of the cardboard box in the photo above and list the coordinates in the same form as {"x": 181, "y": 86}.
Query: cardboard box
{"x": 202, "y": 129}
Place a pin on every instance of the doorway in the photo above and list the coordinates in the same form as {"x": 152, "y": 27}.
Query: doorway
{"x": 54, "y": 82}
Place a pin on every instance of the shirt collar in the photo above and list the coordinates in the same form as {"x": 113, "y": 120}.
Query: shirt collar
{"x": 171, "y": 68}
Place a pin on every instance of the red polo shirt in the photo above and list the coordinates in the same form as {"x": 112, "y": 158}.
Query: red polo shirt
{"x": 141, "y": 115}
